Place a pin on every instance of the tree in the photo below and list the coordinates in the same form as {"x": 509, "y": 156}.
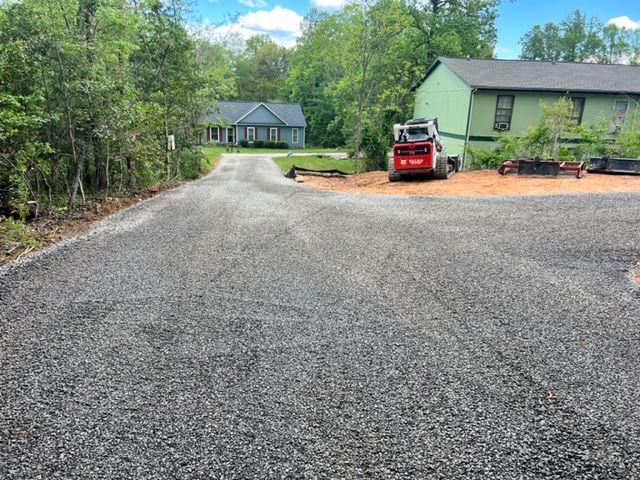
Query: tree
{"x": 579, "y": 39}
{"x": 107, "y": 82}
{"x": 542, "y": 43}
{"x": 261, "y": 69}
{"x": 614, "y": 47}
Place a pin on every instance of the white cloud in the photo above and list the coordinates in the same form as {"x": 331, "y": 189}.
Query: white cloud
{"x": 328, "y": 3}
{"x": 276, "y": 20}
{"x": 281, "y": 24}
{"x": 506, "y": 53}
{"x": 624, "y": 22}
{"x": 253, "y": 3}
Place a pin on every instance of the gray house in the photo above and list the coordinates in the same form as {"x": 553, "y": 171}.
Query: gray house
{"x": 234, "y": 121}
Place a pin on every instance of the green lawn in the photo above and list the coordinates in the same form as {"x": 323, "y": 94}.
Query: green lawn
{"x": 314, "y": 163}
{"x": 212, "y": 157}
{"x": 223, "y": 149}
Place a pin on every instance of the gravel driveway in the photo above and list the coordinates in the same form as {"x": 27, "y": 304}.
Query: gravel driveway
{"x": 244, "y": 326}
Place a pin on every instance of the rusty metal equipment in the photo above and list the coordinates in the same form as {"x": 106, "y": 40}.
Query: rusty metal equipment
{"x": 549, "y": 167}
{"x": 614, "y": 165}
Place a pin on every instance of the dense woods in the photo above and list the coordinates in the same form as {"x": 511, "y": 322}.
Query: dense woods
{"x": 91, "y": 90}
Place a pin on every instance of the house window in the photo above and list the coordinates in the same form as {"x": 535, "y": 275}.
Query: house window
{"x": 273, "y": 134}
{"x": 504, "y": 109}
{"x": 294, "y": 135}
{"x": 214, "y": 134}
{"x": 577, "y": 110}
{"x": 251, "y": 134}
{"x": 619, "y": 113}
{"x": 230, "y": 135}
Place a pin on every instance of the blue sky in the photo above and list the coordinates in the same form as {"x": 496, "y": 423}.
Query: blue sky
{"x": 280, "y": 18}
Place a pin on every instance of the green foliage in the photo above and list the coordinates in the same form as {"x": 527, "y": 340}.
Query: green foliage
{"x": 13, "y": 234}
{"x": 543, "y": 139}
{"x": 315, "y": 162}
{"x": 579, "y": 39}
{"x": 263, "y": 144}
{"x": 261, "y": 69}
{"x": 565, "y": 155}
{"x": 375, "y": 148}
{"x": 108, "y": 81}
{"x": 481, "y": 158}
{"x": 358, "y": 65}
{"x": 555, "y": 125}
{"x": 594, "y": 139}
{"x": 628, "y": 139}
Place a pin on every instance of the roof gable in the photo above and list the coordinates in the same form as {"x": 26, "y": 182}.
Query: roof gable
{"x": 261, "y": 115}
{"x": 535, "y": 76}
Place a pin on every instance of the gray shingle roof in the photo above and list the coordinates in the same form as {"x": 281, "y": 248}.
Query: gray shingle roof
{"x": 531, "y": 75}
{"x": 291, "y": 113}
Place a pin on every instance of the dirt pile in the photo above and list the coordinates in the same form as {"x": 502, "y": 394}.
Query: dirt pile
{"x": 482, "y": 182}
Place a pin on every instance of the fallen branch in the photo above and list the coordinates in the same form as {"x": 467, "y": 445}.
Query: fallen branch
{"x": 25, "y": 252}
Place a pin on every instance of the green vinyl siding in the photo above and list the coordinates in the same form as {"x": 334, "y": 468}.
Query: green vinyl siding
{"x": 526, "y": 110}
{"x": 445, "y": 96}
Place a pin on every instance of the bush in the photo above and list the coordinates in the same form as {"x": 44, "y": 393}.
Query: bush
{"x": 244, "y": 143}
{"x": 192, "y": 163}
{"x": 565, "y": 155}
{"x": 374, "y": 146}
{"x": 14, "y": 234}
{"x": 485, "y": 159}
{"x": 282, "y": 144}
{"x": 258, "y": 144}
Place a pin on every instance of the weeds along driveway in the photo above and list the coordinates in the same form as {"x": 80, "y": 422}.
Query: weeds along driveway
{"x": 244, "y": 326}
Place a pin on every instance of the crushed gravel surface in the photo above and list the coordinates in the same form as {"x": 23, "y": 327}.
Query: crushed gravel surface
{"x": 244, "y": 326}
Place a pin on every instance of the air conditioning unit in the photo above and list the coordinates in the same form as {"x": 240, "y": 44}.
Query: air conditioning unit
{"x": 501, "y": 126}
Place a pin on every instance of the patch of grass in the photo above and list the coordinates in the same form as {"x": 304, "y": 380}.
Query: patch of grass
{"x": 211, "y": 157}
{"x": 315, "y": 163}
{"x": 222, "y": 149}
{"x": 14, "y": 234}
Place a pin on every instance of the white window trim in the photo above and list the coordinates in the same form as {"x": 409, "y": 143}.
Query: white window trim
{"x": 614, "y": 124}
{"x": 295, "y": 137}
{"x": 251, "y": 137}
{"x": 273, "y": 134}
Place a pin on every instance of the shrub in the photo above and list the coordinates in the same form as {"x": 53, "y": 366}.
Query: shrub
{"x": 258, "y": 144}
{"x": 374, "y": 146}
{"x": 565, "y": 155}
{"x": 13, "y": 233}
{"x": 483, "y": 158}
{"x": 282, "y": 144}
{"x": 244, "y": 143}
{"x": 192, "y": 163}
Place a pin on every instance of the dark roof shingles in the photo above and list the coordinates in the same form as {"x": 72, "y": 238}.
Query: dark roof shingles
{"x": 291, "y": 113}
{"x": 558, "y": 76}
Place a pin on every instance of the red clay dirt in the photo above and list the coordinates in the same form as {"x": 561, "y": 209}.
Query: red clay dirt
{"x": 479, "y": 182}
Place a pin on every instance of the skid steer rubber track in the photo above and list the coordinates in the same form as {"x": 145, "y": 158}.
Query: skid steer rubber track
{"x": 394, "y": 176}
{"x": 441, "y": 170}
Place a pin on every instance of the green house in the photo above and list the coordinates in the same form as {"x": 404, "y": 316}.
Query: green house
{"x": 477, "y": 100}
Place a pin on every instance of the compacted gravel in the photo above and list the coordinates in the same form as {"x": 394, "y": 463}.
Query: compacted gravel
{"x": 244, "y": 326}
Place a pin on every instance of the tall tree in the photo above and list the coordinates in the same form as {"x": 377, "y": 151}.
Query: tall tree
{"x": 580, "y": 39}
{"x": 261, "y": 69}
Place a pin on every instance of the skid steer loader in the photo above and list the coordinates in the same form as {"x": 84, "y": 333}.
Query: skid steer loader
{"x": 418, "y": 149}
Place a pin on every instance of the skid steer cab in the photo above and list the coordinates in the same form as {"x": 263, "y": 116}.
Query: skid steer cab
{"x": 418, "y": 150}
